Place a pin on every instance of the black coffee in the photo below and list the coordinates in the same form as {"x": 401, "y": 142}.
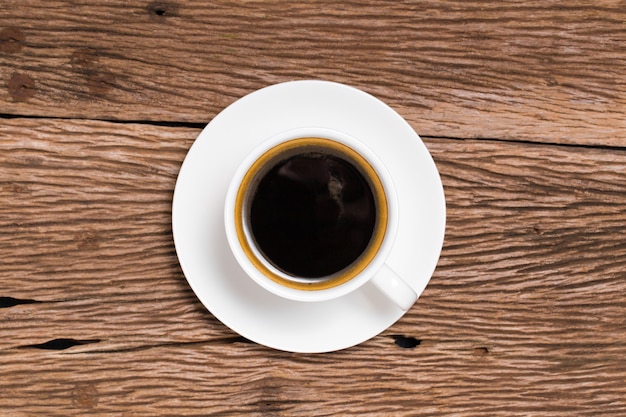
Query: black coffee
{"x": 312, "y": 214}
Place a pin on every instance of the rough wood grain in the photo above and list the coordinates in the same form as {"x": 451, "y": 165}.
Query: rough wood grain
{"x": 525, "y": 314}
{"x": 547, "y": 71}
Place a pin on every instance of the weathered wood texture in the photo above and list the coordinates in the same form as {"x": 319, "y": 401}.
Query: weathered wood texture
{"x": 547, "y": 71}
{"x": 525, "y": 314}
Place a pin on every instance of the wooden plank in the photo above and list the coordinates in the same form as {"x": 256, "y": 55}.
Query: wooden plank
{"x": 543, "y": 71}
{"x": 525, "y": 314}
{"x": 96, "y": 199}
{"x": 242, "y": 379}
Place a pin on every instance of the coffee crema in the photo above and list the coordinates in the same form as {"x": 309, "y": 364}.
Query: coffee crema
{"x": 314, "y": 209}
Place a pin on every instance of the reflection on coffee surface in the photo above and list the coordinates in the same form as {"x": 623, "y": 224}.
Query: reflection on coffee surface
{"x": 312, "y": 214}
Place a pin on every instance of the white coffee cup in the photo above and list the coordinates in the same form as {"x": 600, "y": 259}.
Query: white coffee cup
{"x": 368, "y": 266}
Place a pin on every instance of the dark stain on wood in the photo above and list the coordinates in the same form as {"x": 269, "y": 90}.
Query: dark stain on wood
{"x": 100, "y": 83}
{"x": 98, "y": 78}
{"x": 21, "y": 87}
{"x": 11, "y": 40}
{"x": 85, "y": 395}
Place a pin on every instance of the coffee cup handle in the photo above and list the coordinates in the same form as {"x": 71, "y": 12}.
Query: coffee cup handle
{"x": 394, "y": 287}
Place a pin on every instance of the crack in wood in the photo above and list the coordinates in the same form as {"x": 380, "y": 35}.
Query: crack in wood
{"x": 61, "y": 344}
{"x": 191, "y": 125}
{"x": 223, "y": 341}
{"x": 6, "y": 302}
{"x": 530, "y": 142}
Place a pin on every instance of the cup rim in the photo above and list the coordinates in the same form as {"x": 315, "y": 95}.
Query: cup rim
{"x": 366, "y": 271}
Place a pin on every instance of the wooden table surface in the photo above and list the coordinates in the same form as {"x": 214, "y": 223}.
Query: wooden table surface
{"x": 522, "y": 105}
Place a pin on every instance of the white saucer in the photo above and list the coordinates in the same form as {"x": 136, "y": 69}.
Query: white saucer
{"x": 198, "y": 215}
